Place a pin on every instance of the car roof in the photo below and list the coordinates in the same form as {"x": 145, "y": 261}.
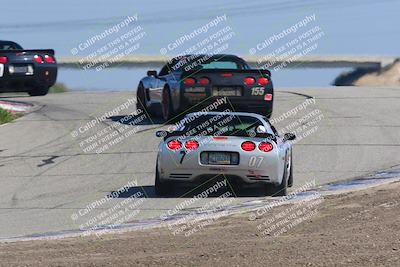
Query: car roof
{"x": 8, "y": 42}
{"x": 4, "y": 42}
{"x": 210, "y": 56}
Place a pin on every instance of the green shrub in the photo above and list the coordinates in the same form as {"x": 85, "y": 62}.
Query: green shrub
{"x": 6, "y": 116}
{"x": 58, "y": 88}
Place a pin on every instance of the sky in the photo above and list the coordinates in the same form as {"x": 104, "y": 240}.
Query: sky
{"x": 358, "y": 27}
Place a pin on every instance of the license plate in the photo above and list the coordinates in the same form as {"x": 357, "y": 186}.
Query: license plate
{"x": 27, "y": 70}
{"x": 226, "y": 91}
{"x": 219, "y": 158}
{"x": 1, "y": 70}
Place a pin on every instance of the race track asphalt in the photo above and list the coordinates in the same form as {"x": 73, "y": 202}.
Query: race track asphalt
{"x": 47, "y": 179}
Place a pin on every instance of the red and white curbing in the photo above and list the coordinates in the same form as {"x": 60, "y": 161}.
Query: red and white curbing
{"x": 15, "y": 107}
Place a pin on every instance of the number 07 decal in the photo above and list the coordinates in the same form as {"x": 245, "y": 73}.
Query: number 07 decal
{"x": 255, "y": 161}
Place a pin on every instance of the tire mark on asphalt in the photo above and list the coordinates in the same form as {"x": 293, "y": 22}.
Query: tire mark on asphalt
{"x": 296, "y": 93}
{"x": 48, "y": 161}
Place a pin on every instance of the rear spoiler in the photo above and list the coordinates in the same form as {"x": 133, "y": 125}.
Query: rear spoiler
{"x": 249, "y": 71}
{"x": 39, "y": 51}
{"x": 166, "y": 135}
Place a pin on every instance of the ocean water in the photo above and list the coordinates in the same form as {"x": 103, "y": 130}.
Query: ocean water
{"x": 358, "y": 27}
{"x": 122, "y": 79}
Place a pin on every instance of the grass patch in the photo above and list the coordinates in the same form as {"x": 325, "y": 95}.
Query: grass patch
{"x": 6, "y": 116}
{"x": 58, "y": 88}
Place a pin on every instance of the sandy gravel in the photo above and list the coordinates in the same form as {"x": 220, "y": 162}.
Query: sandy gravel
{"x": 354, "y": 229}
{"x": 386, "y": 77}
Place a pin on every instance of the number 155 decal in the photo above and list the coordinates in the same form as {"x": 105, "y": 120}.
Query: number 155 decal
{"x": 257, "y": 91}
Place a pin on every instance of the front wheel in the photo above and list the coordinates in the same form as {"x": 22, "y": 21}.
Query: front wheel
{"x": 141, "y": 98}
{"x": 39, "y": 91}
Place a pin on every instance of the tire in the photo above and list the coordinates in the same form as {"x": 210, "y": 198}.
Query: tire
{"x": 166, "y": 105}
{"x": 266, "y": 111}
{"x": 235, "y": 187}
{"x": 141, "y": 99}
{"x": 290, "y": 180}
{"x": 39, "y": 91}
{"x": 281, "y": 190}
{"x": 162, "y": 188}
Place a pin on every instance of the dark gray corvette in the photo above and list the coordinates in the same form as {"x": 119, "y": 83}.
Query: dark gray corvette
{"x": 242, "y": 147}
{"x": 187, "y": 83}
{"x": 31, "y": 71}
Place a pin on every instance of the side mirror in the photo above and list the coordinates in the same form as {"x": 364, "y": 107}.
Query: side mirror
{"x": 161, "y": 133}
{"x": 152, "y": 73}
{"x": 289, "y": 137}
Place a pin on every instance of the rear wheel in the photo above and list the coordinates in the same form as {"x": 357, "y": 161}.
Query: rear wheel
{"x": 265, "y": 111}
{"x": 166, "y": 105}
{"x": 290, "y": 180}
{"x": 281, "y": 190}
{"x": 162, "y": 188}
{"x": 39, "y": 91}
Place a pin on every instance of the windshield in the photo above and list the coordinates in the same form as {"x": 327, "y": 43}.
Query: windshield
{"x": 220, "y": 125}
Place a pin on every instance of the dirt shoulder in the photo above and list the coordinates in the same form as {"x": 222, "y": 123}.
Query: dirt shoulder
{"x": 355, "y": 229}
{"x": 387, "y": 76}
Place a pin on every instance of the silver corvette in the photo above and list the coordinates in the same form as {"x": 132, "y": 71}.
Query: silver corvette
{"x": 241, "y": 147}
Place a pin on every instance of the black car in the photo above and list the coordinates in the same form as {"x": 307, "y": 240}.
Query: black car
{"x": 190, "y": 82}
{"x": 31, "y": 71}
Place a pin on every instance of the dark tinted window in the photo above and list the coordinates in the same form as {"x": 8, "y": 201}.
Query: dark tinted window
{"x": 222, "y": 125}
{"x": 206, "y": 62}
{"x": 165, "y": 70}
{"x": 9, "y": 46}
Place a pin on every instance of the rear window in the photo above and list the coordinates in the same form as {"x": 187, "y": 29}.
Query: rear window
{"x": 220, "y": 65}
{"x": 219, "y": 125}
{"x": 196, "y": 62}
{"x": 9, "y": 46}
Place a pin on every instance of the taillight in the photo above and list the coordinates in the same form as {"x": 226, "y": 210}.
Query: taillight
{"x": 248, "y": 146}
{"x": 220, "y": 138}
{"x": 49, "y": 59}
{"x": 174, "y": 145}
{"x": 38, "y": 59}
{"x": 204, "y": 81}
{"x": 191, "y": 144}
{"x": 249, "y": 81}
{"x": 268, "y": 97}
{"x": 189, "y": 81}
{"x": 3, "y": 60}
{"x": 265, "y": 147}
{"x": 262, "y": 81}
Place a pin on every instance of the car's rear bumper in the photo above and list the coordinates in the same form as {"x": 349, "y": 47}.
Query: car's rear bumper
{"x": 191, "y": 171}
{"x": 197, "y": 178}
{"x": 43, "y": 76}
{"x": 234, "y": 104}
